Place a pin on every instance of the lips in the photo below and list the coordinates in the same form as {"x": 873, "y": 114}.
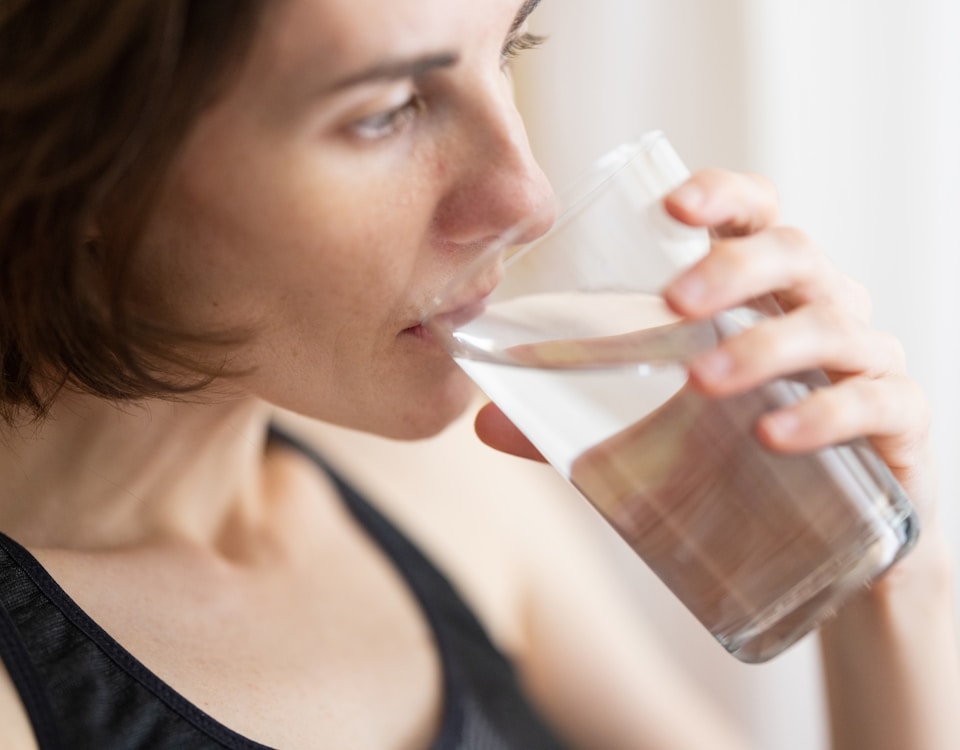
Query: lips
{"x": 419, "y": 332}
{"x": 467, "y": 300}
{"x": 458, "y": 303}
{"x": 450, "y": 319}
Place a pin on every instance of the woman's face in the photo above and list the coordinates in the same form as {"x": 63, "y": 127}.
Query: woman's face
{"x": 364, "y": 154}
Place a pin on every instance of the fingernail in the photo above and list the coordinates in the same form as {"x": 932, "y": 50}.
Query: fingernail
{"x": 690, "y": 196}
{"x": 781, "y": 426}
{"x": 713, "y": 366}
{"x": 688, "y": 290}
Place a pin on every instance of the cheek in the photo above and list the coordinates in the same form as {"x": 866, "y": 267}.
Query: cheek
{"x": 367, "y": 245}
{"x": 319, "y": 267}
{"x": 177, "y": 277}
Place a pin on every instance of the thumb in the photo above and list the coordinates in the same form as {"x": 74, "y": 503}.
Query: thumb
{"x": 494, "y": 429}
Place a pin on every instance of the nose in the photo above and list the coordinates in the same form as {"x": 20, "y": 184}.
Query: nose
{"x": 495, "y": 185}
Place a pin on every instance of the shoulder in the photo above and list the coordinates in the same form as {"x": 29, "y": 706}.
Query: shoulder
{"x": 543, "y": 573}
{"x": 491, "y": 522}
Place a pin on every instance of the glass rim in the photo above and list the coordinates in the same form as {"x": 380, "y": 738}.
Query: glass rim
{"x": 569, "y": 203}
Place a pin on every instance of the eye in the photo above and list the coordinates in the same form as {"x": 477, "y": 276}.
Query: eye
{"x": 517, "y": 45}
{"x": 389, "y": 122}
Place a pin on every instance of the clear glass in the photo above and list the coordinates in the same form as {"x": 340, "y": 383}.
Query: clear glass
{"x": 576, "y": 347}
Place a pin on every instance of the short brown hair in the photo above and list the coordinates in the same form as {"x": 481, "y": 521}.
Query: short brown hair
{"x": 95, "y": 98}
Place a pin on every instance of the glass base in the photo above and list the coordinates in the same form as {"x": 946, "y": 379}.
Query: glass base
{"x": 775, "y": 631}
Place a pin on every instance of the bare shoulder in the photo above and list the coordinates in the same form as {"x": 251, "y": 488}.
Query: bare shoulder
{"x": 15, "y": 730}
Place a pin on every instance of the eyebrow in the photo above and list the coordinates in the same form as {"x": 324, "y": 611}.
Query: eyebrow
{"x": 394, "y": 70}
{"x": 524, "y": 13}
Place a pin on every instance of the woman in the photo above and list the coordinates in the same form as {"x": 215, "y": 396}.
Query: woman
{"x": 213, "y": 209}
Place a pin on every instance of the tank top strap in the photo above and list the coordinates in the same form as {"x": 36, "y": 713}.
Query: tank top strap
{"x": 15, "y": 656}
{"x": 485, "y": 705}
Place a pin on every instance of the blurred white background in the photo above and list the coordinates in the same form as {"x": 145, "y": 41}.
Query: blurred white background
{"x": 852, "y": 107}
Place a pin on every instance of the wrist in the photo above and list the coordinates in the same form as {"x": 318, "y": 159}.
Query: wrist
{"x": 890, "y": 656}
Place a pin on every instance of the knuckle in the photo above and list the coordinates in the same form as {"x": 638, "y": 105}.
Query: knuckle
{"x": 846, "y": 404}
{"x": 828, "y": 415}
{"x": 765, "y": 186}
{"x": 860, "y": 406}
{"x": 920, "y": 406}
{"x": 895, "y": 406}
{"x": 896, "y": 352}
{"x": 713, "y": 174}
{"x": 893, "y": 412}
{"x": 751, "y": 200}
{"x": 770, "y": 340}
{"x": 728, "y": 260}
{"x": 711, "y": 178}
{"x": 835, "y": 322}
{"x": 842, "y": 336}
{"x": 857, "y": 297}
{"x": 764, "y": 346}
{"x": 800, "y": 244}
{"x": 732, "y": 255}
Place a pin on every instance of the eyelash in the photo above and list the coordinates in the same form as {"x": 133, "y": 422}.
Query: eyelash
{"x": 517, "y": 45}
{"x": 384, "y": 124}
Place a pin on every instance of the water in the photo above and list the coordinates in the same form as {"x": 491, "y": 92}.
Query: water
{"x": 759, "y": 546}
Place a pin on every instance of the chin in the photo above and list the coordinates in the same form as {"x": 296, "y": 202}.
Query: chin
{"x": 429, "y": 412}
{"x": 414, "y": 407}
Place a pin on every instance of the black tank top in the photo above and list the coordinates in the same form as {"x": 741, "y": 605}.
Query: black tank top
{"x": 83, "y": 691}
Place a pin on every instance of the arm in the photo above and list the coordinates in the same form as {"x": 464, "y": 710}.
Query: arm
{"x": 890, "y": 656}
{"x": 891, "y": 661}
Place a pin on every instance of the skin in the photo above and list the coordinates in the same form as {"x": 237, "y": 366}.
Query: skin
{"x": 890, "y": 657}
{"x": 319, "y": 217}
{"x": 350, "y": 204}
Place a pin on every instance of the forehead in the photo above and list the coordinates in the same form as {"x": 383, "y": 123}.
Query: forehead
{"x": 341, "y": 34}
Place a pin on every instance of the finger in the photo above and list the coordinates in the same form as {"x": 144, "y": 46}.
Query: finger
{"x": 730, "y": 203}
{"x": 811, "y": 337}
{"x": 494, "y": 429}
{"x": 781, "y": 260}
{"x": 892, "y": 411}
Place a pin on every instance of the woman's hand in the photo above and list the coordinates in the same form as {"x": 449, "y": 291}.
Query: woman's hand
{"x": 890, "y": 656}
{"x": 826, "y": 325}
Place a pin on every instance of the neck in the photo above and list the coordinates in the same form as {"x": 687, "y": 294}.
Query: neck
{"x": 96, "y": 475}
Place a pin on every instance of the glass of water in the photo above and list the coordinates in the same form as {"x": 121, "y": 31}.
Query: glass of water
{"x": 569, "y": 336}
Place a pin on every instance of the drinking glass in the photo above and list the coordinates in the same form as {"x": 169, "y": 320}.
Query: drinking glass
{"x": 569, "y": 336}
